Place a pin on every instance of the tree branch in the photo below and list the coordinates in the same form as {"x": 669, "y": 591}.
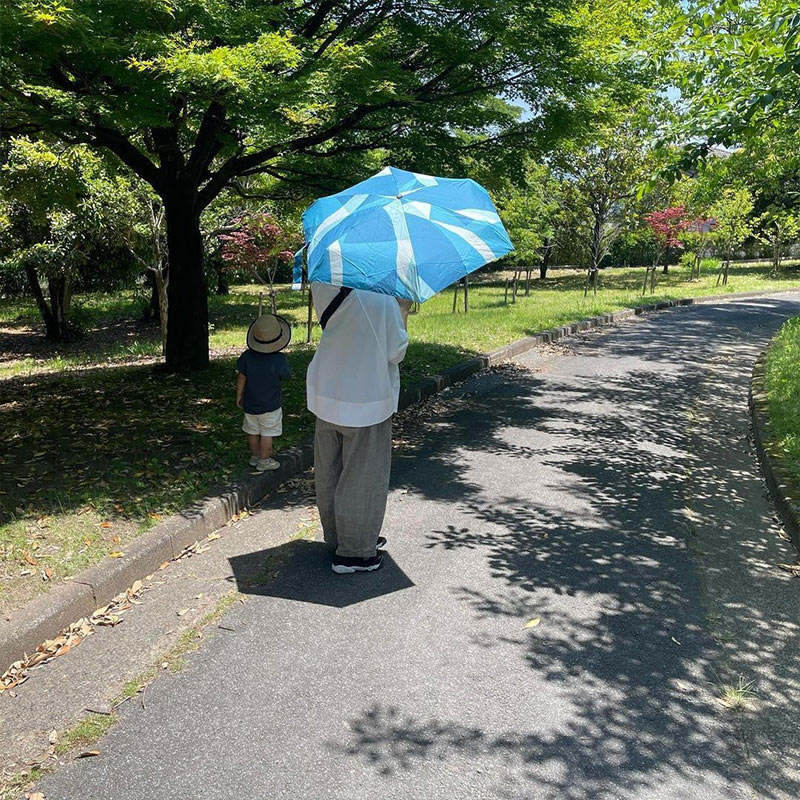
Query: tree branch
{"x": 207, "y": 143}
{"x": 128, "y": 154}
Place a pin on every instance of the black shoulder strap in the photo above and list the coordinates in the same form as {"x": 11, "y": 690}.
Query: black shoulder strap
{"x": 333, "y": 305}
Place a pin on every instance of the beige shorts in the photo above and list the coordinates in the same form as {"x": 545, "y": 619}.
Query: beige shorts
{"x": 270, "y": 423}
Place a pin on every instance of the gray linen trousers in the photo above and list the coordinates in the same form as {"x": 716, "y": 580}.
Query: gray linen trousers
{"x": 351, "y": 474}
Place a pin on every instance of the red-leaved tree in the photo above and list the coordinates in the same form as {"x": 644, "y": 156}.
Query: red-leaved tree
{"x": 667, "y": 226}
{"x": 259, "y": 245}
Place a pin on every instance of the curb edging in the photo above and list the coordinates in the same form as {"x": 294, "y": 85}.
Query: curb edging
{"x": 45, "y": 616}
{"x": 785, "y": 494}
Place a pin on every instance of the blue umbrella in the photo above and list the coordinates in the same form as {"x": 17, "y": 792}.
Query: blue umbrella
{"x": 403, "y": 234}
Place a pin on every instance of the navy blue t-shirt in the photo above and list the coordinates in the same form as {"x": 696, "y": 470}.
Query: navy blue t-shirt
{"x": 264, "y": 371}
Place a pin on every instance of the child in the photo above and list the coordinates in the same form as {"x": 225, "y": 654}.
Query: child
{"x": 261, "y": 368}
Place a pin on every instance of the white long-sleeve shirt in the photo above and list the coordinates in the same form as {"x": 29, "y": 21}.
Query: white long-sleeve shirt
{"x": 354, "y": 378}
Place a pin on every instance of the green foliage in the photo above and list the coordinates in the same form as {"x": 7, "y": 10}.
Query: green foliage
{"x": 740, "y": 66}
{"x": 783, "y": 396}
{"x": 733, "y": 215}
{"x": 69, "y": 218}
{"x": 532, "y": 213}
{"x": 255, "y": 83}
{"x": 779, "y": 229}
{"x": 601, "y": 183}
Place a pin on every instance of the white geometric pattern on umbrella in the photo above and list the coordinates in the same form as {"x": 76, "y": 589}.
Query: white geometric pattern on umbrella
{"x": 403, "y": 234}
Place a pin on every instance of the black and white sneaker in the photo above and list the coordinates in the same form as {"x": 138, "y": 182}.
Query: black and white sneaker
{"x": 342, "y": 565}
{"x": 381, "y": 542}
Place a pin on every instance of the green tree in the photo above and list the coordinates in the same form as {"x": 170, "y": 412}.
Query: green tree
{"x": 779, "y": 229}
{"x": 196, "y": 95}
{"x": 601, "y": 183}
{"x": 66, "y": 212}
{"x": 732, "y": 214}
{"x": 533, "y": 215}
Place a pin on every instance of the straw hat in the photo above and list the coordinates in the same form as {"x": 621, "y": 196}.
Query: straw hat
{"x": 269, "y": 334}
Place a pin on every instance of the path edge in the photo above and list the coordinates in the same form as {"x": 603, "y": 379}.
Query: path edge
{"x": 785, "y": 494}
{"x": 44, "y": 617}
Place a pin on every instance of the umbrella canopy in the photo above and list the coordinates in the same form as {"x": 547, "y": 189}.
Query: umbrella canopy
{"x": 403, "y": 234}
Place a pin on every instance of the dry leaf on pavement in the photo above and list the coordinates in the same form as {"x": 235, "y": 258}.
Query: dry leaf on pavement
{"x": 533, "y": 623}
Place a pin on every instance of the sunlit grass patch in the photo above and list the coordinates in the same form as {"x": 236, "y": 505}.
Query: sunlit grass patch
{"x": 783, "y": 396}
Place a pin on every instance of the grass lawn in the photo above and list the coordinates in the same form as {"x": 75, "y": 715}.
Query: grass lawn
{"x": 783, "y": 396}
{"x": 96, "y": 446}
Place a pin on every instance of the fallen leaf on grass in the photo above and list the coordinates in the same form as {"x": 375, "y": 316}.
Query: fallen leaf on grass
{"x": 47, "y": 573}
{"x": 29, "y": 558}
{"x": 115, "y": 539}
{"x": 105, "y": 525}
{"x": 87, "y": 541}
{"x": 533, "y": 623}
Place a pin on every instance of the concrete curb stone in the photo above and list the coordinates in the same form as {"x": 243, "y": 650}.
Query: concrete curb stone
{"x": 785, "y": 494}
{"x": 45, "y": 616}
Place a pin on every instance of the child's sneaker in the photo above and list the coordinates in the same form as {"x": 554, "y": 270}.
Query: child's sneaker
{"x": 254, "y": 461}
{"x": 266, "y": 464}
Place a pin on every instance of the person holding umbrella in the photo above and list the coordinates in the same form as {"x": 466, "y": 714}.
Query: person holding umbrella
{"x": 393, "y": 239}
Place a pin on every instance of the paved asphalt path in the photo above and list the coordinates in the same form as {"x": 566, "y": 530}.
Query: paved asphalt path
{"x": 606, "y": 487}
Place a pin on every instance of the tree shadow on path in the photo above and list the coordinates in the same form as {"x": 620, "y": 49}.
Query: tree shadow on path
{"x": 586, "y": 522}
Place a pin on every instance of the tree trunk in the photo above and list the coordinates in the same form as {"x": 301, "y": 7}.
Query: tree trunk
{"x": 545, "y": 260}
{"x": 151, "y": 310}
{"x": 222, "y": 282}
{"x": 187, "y": 323}
{"x": 60, "y": 294}
{"x": 665, "y": 268}
{"x": 44, "y": 309}
{"x": 58, "y": 328}
{"x": 161, "y": 284}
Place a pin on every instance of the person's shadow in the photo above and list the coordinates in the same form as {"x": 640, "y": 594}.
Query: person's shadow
{"x": 301, "y": 570}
